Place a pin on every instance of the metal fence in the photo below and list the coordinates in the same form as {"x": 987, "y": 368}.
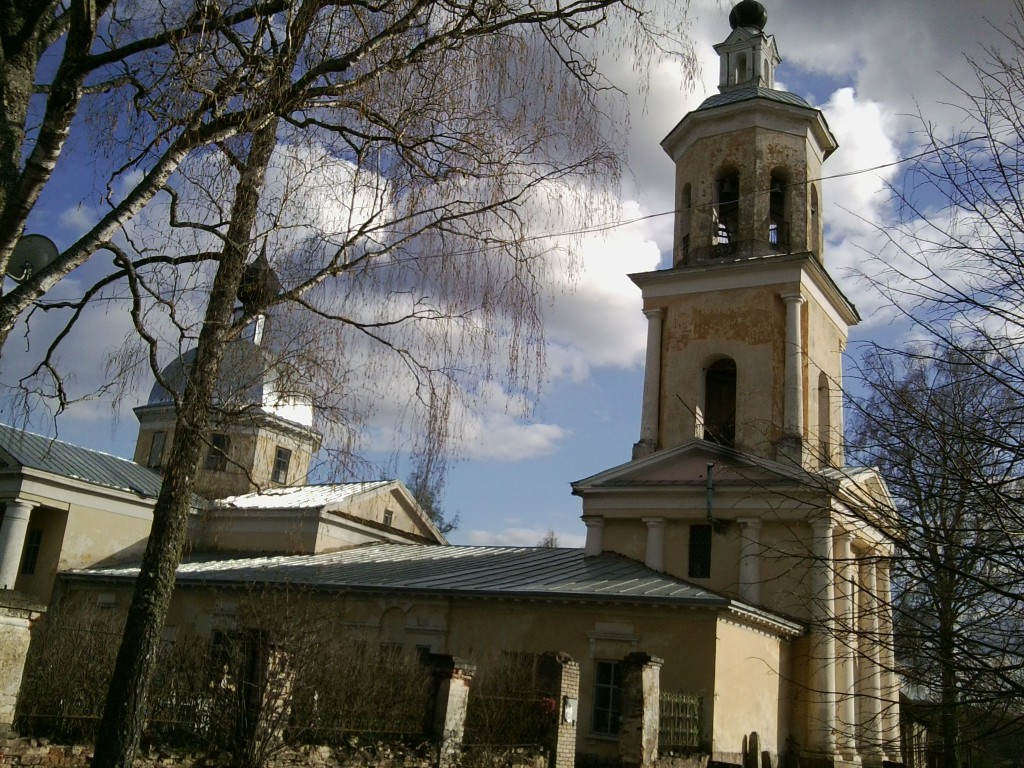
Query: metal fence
{"x": 680, "y": 726}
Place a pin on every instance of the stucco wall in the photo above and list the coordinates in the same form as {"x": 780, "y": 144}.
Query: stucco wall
{"x": 751, "y": 692}
{"x": 475, "y": 629}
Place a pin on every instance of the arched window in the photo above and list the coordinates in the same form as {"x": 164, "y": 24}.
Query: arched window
{"x": 778, "y": 224}
{"x": 720, "y": 402}
{"x": 727, "y": 208}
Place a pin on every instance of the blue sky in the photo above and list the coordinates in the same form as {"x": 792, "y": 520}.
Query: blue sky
{"x": 870, "y": 66}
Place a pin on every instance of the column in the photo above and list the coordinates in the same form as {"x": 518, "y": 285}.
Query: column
{"x": 794, "y": 403}
{"x": 890, "y": 687}
{"x": 750, "y": 560}
{"x": 869, "y": 741}
{"x": 822, "y": 704}
{"x": 595, "y": 536}
{"x": 654, "y": 557}
{"x": 12, "y": 540}
{"x": 846, "y": 644}
{"x": 650, "y": 412}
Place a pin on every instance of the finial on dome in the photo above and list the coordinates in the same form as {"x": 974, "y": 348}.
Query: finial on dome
{"x": 748, "y": 13}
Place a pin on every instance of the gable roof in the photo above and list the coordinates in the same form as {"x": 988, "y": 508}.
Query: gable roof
{"x": 19, "y": 448}
{"x": 335, "y": 499}
{"x": 686, "y": 464}
{"x": 299, "y": 496}
{"x": 467, "y": 571}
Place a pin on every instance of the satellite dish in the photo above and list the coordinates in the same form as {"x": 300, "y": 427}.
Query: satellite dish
{"x": 32, "y": 253}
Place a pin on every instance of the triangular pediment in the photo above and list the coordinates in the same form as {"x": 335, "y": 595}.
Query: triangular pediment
{"x": 687, "y": 465}
{"x": 740, "y": 36}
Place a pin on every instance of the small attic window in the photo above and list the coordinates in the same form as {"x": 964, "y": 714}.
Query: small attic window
{"x": 156, "y": 450}
{"x": 217, "y": 457}
{"x": 282, "y": 460}
{"x": 389, "y": 517}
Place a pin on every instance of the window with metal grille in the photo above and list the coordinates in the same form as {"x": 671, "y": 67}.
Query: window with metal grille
{"x": 282, "y": 459}
{"x": 607, "y": 694}
{"x": 700, "y": 552}
{"x": 680, "y": 722}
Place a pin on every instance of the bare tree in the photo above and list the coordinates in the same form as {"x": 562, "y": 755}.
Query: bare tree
{"x": 456, "y": 132}
{"x": 958, "y": 576}
{"x": 943, "y": 418}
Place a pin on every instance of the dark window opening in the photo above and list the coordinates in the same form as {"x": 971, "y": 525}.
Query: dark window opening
{"x": 720, "y": 402}
{"x": 217, "y": 457}
{"x": 282, "y": 460}
{"x": 30, "y": 555}
{"x": 778, "y": 231}
{"x": 685, "y": 206}
{"x": 727, "y": 209}
{"x": 607, "y": 692}
{"x": 389, "y": 517}
{"x": 700, "y": 552}
{"x": 156, "y": 450}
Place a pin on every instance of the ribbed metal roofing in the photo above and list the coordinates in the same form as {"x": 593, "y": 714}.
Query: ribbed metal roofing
{"x": 300, "y": 497}
{"x": 737, "y": 95}
{"x": 48, "y": 454}
{"x": 514, "y": 572}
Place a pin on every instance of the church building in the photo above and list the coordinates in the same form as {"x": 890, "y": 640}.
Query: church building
{"x": 736, "y": 548}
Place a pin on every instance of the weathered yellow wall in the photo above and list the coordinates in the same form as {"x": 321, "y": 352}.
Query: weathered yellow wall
{"x": 745, "y": 324}
{"x": 751, "y": 691}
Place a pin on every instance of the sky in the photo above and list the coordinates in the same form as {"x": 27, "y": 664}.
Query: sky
{"x": 875, "y": 68}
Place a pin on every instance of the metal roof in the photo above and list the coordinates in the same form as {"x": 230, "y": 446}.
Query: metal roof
{"x": 300, "y": 497}
{"x": 514, "y": 572}
{"x": 736, "y": 95}
{"x": 47, "y": 454}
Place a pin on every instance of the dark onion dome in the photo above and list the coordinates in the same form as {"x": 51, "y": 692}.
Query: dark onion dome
{"x": 748, "y": 13}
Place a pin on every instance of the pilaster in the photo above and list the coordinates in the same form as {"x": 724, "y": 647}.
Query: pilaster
{"x": 651, "y": 410}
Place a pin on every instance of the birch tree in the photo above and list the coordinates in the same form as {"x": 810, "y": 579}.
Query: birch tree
{"x": 388, "y": 175}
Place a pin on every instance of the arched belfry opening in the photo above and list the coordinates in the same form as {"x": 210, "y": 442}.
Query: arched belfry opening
{"x": 815, "y": 223}
{"x": 685, "y": 217}
{"x": 778, "y": 210}
{"x": 727, "y": 208}
{"x": 720, "y": 402}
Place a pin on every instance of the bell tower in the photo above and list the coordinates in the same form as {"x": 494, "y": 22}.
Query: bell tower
{"x": 746, "y": 330}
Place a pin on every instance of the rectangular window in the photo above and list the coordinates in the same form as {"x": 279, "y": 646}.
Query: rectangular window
{"x": 282, "y": 459}
{"x": 389, "y": 517}
{"x": 30, "y": 556}
{"x": 607, "y": 691}
{"x": 156, "y": 450}
{"x": 700, "y": 552}
{"x": 217, "y": 457}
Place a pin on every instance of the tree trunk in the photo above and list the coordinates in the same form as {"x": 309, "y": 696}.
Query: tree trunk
{"x": 124, "y": 715}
